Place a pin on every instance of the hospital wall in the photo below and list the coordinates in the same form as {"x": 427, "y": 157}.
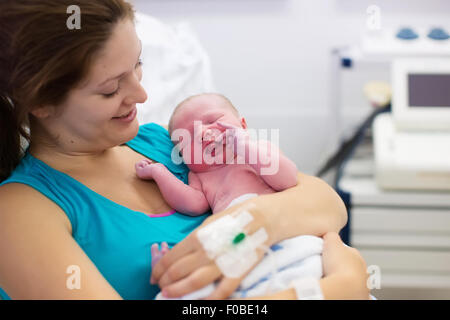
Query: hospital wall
{"x": 272, "y": 58}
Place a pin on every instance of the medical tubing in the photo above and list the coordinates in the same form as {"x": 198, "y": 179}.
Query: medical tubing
{"x": 355, "y": 141}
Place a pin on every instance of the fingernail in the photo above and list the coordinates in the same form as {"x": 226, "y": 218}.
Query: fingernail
{"x": 164, "y": 293}
{"x": 152, "y": 280}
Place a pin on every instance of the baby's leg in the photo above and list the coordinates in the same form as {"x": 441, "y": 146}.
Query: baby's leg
{"x": 158, "y": 254}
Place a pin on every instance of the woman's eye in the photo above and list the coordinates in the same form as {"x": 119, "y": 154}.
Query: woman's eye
{"x": 112, "y": 94}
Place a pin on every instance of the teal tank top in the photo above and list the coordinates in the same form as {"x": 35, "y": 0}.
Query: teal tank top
{"x": 114, "y": 237}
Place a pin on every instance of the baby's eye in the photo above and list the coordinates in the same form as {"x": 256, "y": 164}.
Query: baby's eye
{"x": 212, "y": 119}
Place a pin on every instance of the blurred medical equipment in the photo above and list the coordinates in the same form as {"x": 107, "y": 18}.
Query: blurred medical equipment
{"x": 379, "y": 95}
{"x": 404, "y": 235}
{"x": 376, "y": 53}
{"x": 175, "y": 67}
{"x": 412, "y": 146}
{"x": 406, "y": 42}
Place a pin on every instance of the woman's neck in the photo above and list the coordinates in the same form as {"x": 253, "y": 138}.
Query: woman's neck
{"x": 67, "y": 160}
{"x": 61, "y": 156}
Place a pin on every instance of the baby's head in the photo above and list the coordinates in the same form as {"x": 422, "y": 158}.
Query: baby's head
{"x": 206, "y": 110}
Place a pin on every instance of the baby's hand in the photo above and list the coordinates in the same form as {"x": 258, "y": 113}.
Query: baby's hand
{"x": 158, "y": 254}
{"x": 236, "y": 137}
{"x": 145, "y": 169}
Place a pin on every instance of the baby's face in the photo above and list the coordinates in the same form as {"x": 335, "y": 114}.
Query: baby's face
{"x": 199, "y": 117}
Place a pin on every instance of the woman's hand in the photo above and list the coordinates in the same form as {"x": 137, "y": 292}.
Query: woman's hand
{"x": 345, "y": 271}
{"x": 345, "y": 275}
{"x": 187, "y": 268}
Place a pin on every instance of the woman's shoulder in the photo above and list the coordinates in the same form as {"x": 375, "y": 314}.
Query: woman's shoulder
{"x": 19, "y": 201}
{"x": 153, "y": 141}
{"x": 154, "y": 127}
{"x": 14, "y": 193}
{"x": 15, "y": 196}
{"x": 151, "y": 135}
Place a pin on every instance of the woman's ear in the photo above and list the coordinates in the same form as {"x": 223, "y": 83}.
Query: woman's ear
{"x": 243, "y": 123}
{"x": 42, "y": 112}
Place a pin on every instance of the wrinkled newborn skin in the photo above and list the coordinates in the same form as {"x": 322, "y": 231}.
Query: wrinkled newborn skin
{"x": 218, "y": 184}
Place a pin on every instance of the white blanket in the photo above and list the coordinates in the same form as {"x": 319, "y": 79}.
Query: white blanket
{"x": 287, "y": 260}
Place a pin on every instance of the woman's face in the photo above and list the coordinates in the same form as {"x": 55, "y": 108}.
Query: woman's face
{"x": 101, "y": 113}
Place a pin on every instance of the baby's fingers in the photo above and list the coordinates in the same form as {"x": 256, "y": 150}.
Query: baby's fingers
{"x": 154, "y": 249}
{"x": 164, "y": 248}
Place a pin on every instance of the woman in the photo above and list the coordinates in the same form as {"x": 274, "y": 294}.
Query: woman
{"x": 73, "y": 206}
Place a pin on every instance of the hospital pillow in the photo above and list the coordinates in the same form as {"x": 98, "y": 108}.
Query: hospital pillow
{"x": 175, "y": 67}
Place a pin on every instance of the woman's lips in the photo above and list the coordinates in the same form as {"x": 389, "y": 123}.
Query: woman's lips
{"x": 128, "y": 117}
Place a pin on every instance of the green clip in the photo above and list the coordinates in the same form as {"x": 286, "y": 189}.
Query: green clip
{"x": 239, "y": 238}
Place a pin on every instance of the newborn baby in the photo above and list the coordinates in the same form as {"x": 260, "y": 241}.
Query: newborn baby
{"x": 213, "y": 185}
{"x": 227, "y": 167}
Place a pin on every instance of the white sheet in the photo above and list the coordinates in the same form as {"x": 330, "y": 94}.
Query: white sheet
{"x": 175, "y": 67}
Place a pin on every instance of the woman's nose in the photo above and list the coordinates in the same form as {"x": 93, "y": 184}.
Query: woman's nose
{"x": 137, "y": 92}
{"x": 138, "y": 95}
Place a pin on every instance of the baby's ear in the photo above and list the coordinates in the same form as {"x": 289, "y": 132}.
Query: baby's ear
{"x": 243, "y": 123}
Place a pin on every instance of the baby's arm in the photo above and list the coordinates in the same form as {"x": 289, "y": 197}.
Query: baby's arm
{"x": 279, "y": 174}
{"x": 183, "y": 198}
{"x": 278, "y": 171}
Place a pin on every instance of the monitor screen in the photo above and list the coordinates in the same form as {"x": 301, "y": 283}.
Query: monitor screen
{"x": 429, "y": 90}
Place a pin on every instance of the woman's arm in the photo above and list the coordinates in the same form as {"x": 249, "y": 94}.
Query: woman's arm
{"x": 312, "y": 207}
{"x": 37, "y": 248}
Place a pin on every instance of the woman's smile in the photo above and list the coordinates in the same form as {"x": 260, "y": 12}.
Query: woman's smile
{"x": 128, "y": 117}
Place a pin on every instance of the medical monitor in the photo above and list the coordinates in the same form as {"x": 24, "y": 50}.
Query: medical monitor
{"x": 421, "y": 93}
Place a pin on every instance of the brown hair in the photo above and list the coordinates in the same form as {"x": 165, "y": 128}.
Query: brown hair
{"x": 41, "y": 59}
